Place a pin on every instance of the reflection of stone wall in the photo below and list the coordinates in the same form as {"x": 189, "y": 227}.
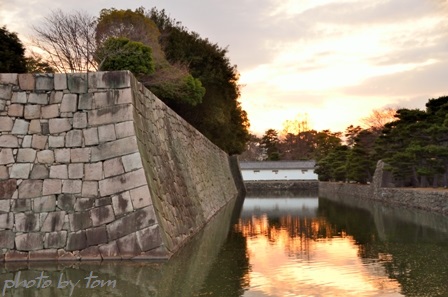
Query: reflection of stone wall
{"x": 435, "y": 200}
{"x": 93, "y": 166}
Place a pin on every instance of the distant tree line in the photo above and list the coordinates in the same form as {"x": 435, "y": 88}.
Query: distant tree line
{"x": 189, "y": 73}
{"x": 412, "y": 142}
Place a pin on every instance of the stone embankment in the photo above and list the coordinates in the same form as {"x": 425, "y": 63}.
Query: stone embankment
{"x": 428, "y": 199}
{"x": 94, "y": 166}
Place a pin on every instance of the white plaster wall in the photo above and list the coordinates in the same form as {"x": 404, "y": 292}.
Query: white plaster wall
{"x": 281, "y": 174}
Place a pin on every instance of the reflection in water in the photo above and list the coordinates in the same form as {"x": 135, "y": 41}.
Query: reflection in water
{"x": 277, "y": 247}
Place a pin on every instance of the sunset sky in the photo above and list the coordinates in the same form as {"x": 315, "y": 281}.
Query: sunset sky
{"x": 334, "y": 60}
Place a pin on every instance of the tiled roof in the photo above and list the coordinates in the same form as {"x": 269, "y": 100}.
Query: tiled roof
{"x": 310, "y": 164}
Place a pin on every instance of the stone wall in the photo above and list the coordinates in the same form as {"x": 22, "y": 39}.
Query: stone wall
{"x": 94, "y": 166}
{"x": 435, "y": 200}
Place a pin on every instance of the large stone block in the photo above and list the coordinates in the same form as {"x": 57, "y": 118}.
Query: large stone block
{"x": 73, "y": 138}
{"x": 9, "y": 78}
{"x": 8, "y": 141}
{"x": 106, "y": 133}
{"x": 85, "y": 101}
{"x": 80, "y": 221}
{"x": 52, "y": 186}
{"x": 66, "y": 202}
{"x": 71, "y": 186}
{"x": 91, "y": 136}
{"x": 44, "y": 82}
{"x": 96, "y": 236}
{"x": 20, "y": 170}
{"x": 50, "y": 111}
{"x": 53, "y": 222}
{"x": 39, "y": 171}
{"x": 6, "y": 156}
{"x": 26, "y": 155}
{"x": 113, "y": 167}
{"x": 122, "y": 182}
{"x": 5, "y": 92}
{"x": 125, "y": 129}
{"x": 20, "y": 127}
{"x": 69, "y": 103}
{"x": 110, "y": 115}
{"x": 59, "y": 171}
{"x": 39, "y": 141}
{"x": 59, "y": 125}
{"x": 56, "y": 141}
{"x": 30, "y": 188}
{"x": 16, "y": 110}
{"x": 43, "y": 255}
{"x": 122, "y": 203}
{"x": 111, "y": 79}
{"x": 132, "y": 162}
{"x": 80, "y": 155}
{"x": 76, "y": 171}
{"x": 27, "y": 81}
{"x": 19, "y": 97}
{"x": 128, "y": 246}
{"x": 82, "y": 204}
{"x": 35, "y": 127}
{"x": 110, "y": 251}
{"x": 4, "y": 172}
{"x": 60, "y": 81}
{"x": 102, "y": 215}
{"x": 44, "y": 204}
{"x": 5, "y": 205}
{"x": 5, "y": 124}
{"x": 93, "y": 171}
{"x": 29, "y": 241}
{"x": 76, "y": 241}
{"x": 149, "y": 238}
{"x": 89, "y": 189}
{"x": 132, "y": 222}
{"x": 62, "y": 155}
{"x": 77, "y": 82}
{"x": 90, "y": 254}
{"x": 114, "y": 149}
{"x": 141, "y": 197}
{"x": 38, "y": 98}
{"x": 55, "y": 240}
{"x": 27, "y": 222}
{"x": 45, "y": 157}
{"x": 6, "y": 239}
{"x": 6, "y": 221}
{"x": 80, "y": 120}
{"x": 32, "y": 112}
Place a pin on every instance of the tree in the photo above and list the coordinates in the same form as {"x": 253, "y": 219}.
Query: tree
{"x": 380, "y": 117}
{"x": 12, "y": 53}
{"x": 68, "y": 40}
{"x": 269, "y": 142}
{"x": 36, "y": 64}
{"x": 119, "y": 53}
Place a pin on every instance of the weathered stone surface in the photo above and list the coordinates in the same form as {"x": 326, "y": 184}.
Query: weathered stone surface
{"x": 132, "y": 162}
{"x": 91, "y": 136}
{"x": 5, "y": 92}
{"x": 27, "y": 81}
{"x": 7, "y": 188}
{"x": 45, "y": 203}
{"x": 122, "y": 182}
{"x": 62, "y": 155}
{"x": 39, "y": 171}
{"x": 6, "y": 239}
{"x": 6, "y": 156}
{"x": 20, "y": 170}
{"x": 6, "y": 221}
{"x": 50, "y": 111}
{"x": 111, "y": 79}
{"x": 20, "y": 127}
{"x": 44, "y": 82}
{"x": 38, "y": 98}
{"x": 113, "y": 167}
{"x": 35, "y": 127}
{"x": 69, "y": 103}
{"x": 102, "y": 215}
{"x": 110, "y": 251}
{"x": 114, "y": 149}
{"x": 45, "y": 127}
{"x": 128, "y": 246}
{"x": 80, "y": 220}
{"x": 19, "y": 97}
{"x": 76, "y": 241}
{"x": 4, "y": 172}
{"x": 45, "y": 157}
{"x": 96, "y": 236}
{"x": 53, "y": 222}
{"x": 140, "y": 197}
{"x": 66, "y": 202}
{"x": 110, "y": 115}
{"x": 59, "y": 171}
{"x": 56, "y": 141}
{"x": 63, "y": 255}
{"x": 5, "y": 205}
{"x": 27, "y": 139}
{"x": 75, "y": 171}
{"x": 43, "y": 255}
{"x": 85, "y": 101}
{"x": 122, "y": 203}
{"x": 8, "y": 141}
{"x": 52, "y": 186}
{"x": 149, "y": 238}
{"x": 54, "y": 240}
{"x": 73, "y": 138}
{"x": 30, "y": 188}
{"x": 102, "y": 201}
{"x": 60, "y": 81}
{"x": 16, "y": 256}
{"x": 80, "y": 155}
{"x": 84, "y": 203}
{"x": 32, "y": 112}
{"x": 26, "y": 155}
{"x": 80, "y": 120}
{"x": 89, "y": 189}
{"x": 5, "y": 124}
{"x": 39, "y": 141}
{"x": 93, "y": 171}
{"x": 15, "y": 110}
{"x": 19, "y": 205}
{"x": 29, "y": 241}
{"x": 71, "y": 186}
{"x": 90, "y": 254}
{"x": 77, "y": 82}
{"x": 59, "y": 125}
{"x": 27, "y": 222}
{"x": 9, "y": 78}
{"x": 56, "y": 97}
{"x": 131, "y": 223}
{"x": 106, "y": 133}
